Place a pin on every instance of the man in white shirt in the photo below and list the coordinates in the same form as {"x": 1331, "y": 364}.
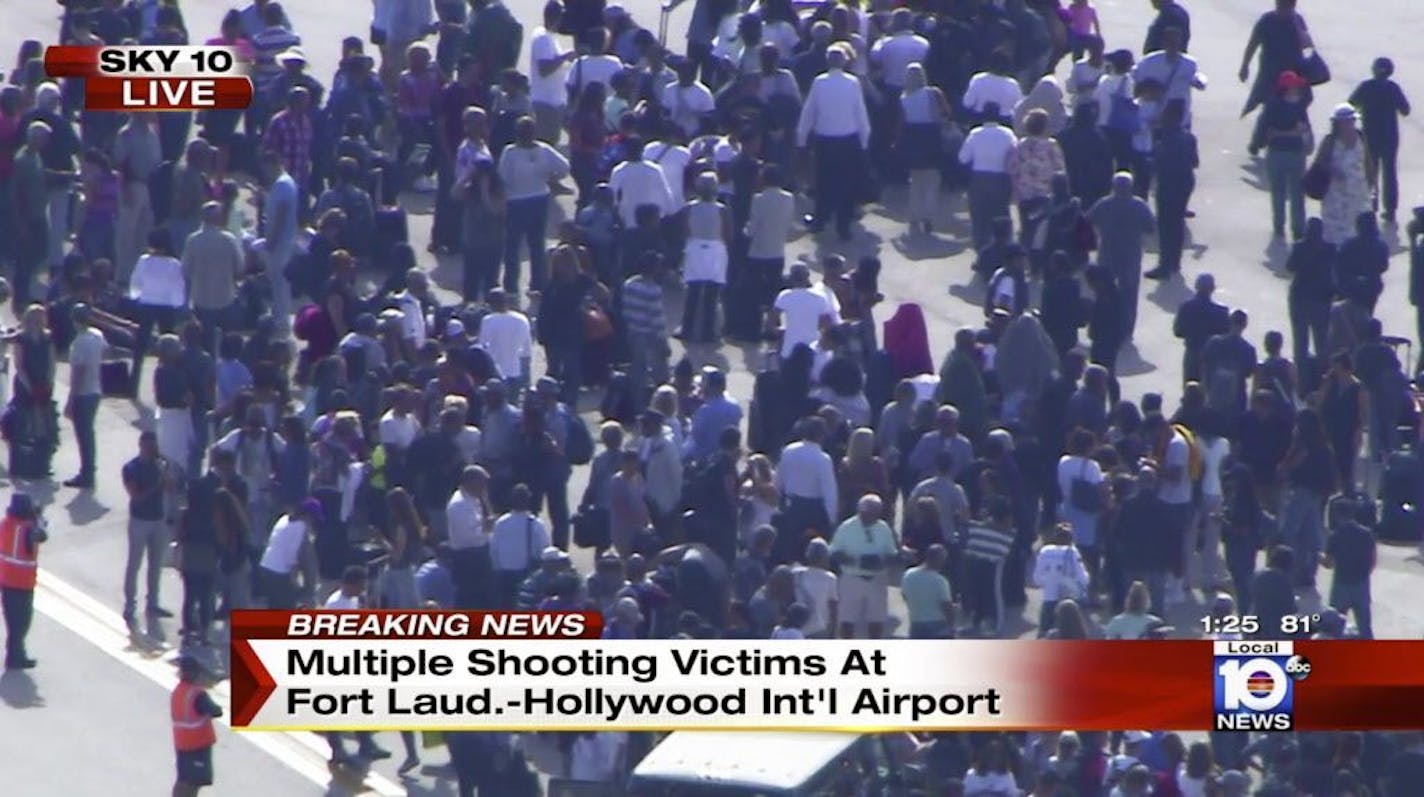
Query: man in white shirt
{"x": 595, "y": 65}
{"x": 637, "y": 182}
{"x": 399, "y": 427}
{"x": 993, "y": 86}
{"x": 467, "y": 522}
{"x": 86, "y": 354}
{"x": 1174, "y": 69}
{"x": 806, "y": 479}
{"x": 835, "y": 123}
{"x": 803, "y": 310}
{"x": 411, "y": 303}
{"x": 673, "y": 159}
{"x": 289, "y": 548}
{"x": 548, "y": 62}
{"x": 527, "y": 168}
{"x": 986, "y": 151}
{"x": 892, "y": 55}
{"x": 1174, "y": 488}
{"x": 518, "y": 540}
{"x": 504, "y": 333}
{"x": 688, "y": 102}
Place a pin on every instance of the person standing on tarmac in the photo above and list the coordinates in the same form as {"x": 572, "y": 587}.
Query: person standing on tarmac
{"x": 193, "y": 712}
{"x": 21, "y": 533}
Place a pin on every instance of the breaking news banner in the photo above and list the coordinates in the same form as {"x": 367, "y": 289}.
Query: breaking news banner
{"x": 377, "y": 670}
{"x": 154, "y": 78}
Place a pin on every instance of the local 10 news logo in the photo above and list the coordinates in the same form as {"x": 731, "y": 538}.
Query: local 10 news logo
{"x": 1255, "y": 685}
{"x": 142, "y": 78}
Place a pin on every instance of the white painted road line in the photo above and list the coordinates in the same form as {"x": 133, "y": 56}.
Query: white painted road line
{"x": 304, "y": 753}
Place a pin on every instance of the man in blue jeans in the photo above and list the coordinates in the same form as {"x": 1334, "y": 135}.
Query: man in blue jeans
{"x": 86, "y": 354}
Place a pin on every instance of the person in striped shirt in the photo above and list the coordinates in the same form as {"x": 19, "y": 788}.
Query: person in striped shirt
{"x": 986, "y": 547}
{"x": 645, "y": 323}
{"x": 275, "y": 38}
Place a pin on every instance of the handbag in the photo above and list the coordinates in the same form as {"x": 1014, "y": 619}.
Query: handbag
{"x": 1316, "y": 181}
{"x": 1314, "y": 69}
{"x": 591, "y": 527}
{"x": 596, "y": 326}
{"x": 1083, "y": 495}
{"x": 114, "y": 379}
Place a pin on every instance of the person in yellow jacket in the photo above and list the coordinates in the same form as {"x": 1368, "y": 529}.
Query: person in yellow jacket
{"x": 193, "y": 712}
{"x": 21, "y": 532}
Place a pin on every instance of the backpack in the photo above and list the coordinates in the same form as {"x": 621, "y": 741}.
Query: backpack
{"x": 1195, "y": 462}
{"x": 578, "y": 447}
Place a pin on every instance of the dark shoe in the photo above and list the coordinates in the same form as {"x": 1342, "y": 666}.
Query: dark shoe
{"x": 374, "y": 753}
{"x": 1159, "y": 273}
{"x": 408, "y": 765}
{"x": 157, "y": 611}
{"x": 1190, "y": 214}
{"x": 21, "y": 664}
{"x": 80, "y": 483}
{"x": 345, "y": 760}
{"x": 812, "y": 223}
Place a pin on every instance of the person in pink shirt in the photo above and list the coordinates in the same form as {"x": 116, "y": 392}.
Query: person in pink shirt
{"x": 1082, "y": 26}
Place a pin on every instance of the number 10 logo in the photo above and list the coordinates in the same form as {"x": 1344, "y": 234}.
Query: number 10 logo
{"x": 1258, "y": 684}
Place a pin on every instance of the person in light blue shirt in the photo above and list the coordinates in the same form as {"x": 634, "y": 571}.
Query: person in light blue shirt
{"x": 433, "y": 581}
{"x": 927, "y": 597}
{"x": 233, "y": 375}
{"x": 718, "y": 412}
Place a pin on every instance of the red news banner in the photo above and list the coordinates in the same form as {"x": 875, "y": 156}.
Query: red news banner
{"x": 330, "y": 670}
{"x": 154, "y": 78}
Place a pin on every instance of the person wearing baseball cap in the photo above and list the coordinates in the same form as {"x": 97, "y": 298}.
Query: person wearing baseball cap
{"x": 289, "y": 548}
{"x": 1285, "y": 126}
{"x": 192, "y": 711}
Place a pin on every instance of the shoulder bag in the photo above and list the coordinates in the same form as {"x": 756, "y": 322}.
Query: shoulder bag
{"x": 1316, "y": 182}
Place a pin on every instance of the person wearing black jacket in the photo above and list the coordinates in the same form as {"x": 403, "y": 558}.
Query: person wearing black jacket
{"x": 1143, "y": 543}
{"x": 1170, "y": 14}
{"x": 1105, "y": 319}
{"x": 1272, "y": 595}
{"x": 1311, "y": 264}
{"x": 1087, "y": 155}
{"x": 1198, "y": 320}
{"x": 1175, "y": 160}
{"x": 1363, "y": 260}
{"x": 1060, "y": 306}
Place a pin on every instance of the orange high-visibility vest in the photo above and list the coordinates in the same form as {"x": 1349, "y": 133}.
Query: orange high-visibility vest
{"x": 18, "y": 558}
{"x": 192, "y": 729}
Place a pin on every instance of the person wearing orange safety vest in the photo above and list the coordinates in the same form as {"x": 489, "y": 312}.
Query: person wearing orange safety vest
{"x": 21, "y": 533}
{"x": 193, "y": 712}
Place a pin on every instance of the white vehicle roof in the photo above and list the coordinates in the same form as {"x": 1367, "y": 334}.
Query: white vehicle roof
{"x": 768, "y": 760}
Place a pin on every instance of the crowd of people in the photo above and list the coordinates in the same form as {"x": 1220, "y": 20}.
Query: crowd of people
{"x": 328, "y": 432}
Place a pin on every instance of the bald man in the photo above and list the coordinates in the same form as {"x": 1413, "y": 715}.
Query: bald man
{"x": 1123, "y": 220}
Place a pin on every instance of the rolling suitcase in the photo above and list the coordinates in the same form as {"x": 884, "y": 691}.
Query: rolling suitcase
{"x": 391, "y": 228}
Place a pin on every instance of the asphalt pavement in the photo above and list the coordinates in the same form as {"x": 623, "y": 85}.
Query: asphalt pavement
{"x": 92, "y": 719}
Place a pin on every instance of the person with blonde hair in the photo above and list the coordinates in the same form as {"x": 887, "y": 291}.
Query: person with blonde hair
{"x": 1135, "y": 620}
{"x": 924, "y": 112}
{"x": 862, "y": 472}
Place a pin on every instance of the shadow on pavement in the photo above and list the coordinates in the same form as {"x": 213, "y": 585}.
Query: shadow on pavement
{"x": 19, "y": 690}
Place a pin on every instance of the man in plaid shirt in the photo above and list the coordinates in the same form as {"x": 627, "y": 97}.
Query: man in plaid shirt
{"x": 289, "y": 134}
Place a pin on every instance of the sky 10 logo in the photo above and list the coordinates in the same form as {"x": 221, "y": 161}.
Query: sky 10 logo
{"x": 1255, "y": 685}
